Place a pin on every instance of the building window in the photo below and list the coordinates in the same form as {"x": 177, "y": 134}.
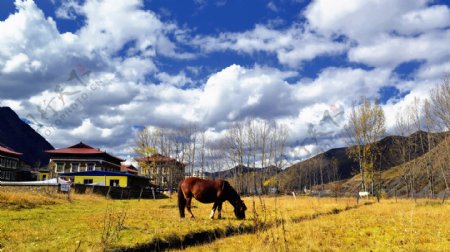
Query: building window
{"x": 8, "y": 163}
{"x": 90, "y": 166}
{"x": 44, "y": 177}
{"x": 88, "y": 181}
{"x": 75, "y": 167}
{"x": 2, "y": 162}
{"x": 14, "y": 164}
{"x": 114, "y": 182}
{"x": 60, "y": 167}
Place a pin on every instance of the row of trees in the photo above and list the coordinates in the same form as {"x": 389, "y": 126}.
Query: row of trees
{"x": 253, "y": 143}
{"x": 431, "y": 115}
{"x": 258, "y": 143}
{"x": 366, "y": 126}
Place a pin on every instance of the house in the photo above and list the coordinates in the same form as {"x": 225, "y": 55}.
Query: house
{"x": 82, "y": 157}
{"x": 164, "y": 171}
{"x": 128, "y": 168}
{"x": 107, "y": 178}
{"x": 197, "y": 174}
{"x": 9, "y": 164}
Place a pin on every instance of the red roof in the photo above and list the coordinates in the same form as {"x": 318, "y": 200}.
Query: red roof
{"x": 80, "y": 149}
{"x": 9, "y": 151}
{"x": 76, "y": 151}
{"x": 128, "y": 168}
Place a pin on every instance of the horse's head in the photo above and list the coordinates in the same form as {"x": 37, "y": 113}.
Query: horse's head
{"x": 239, "y": 209}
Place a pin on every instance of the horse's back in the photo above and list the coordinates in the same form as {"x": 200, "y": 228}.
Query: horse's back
{"x": 203, "y": 190}
{"x": 192, "y": 181}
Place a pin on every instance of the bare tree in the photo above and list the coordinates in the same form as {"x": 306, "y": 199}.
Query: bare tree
{"x": 253, "y": 141}
{"x": 404, "y": 127}
{"x": 202, "y": 152}
{"x": 264, "y": 134}
{"x": 429, "y": 124}
{"x": 364, "y": 128}
{"x": 235, "y": 144}
{"x": 440, "y": 112}
{"x": 335, "y": 176}
{"x": 187, "y": 144}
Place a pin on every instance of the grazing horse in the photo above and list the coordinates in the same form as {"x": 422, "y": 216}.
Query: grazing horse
{"x": 209, "y": 191}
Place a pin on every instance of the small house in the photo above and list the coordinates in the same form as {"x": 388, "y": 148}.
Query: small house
{"x": 164, "y": 171}
{"x": 9, "y": 164}
{"x": 80, "y": 158}
{"x": 107, "y": 178}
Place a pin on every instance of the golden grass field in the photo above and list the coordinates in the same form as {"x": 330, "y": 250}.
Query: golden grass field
{"x": 49, "y": 222}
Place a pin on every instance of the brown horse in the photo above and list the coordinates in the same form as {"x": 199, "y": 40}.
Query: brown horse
{"x": 209, "y": 191}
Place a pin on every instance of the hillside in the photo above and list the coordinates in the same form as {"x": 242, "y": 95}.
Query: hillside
{"x": 19, "y": 136}
{"x": 226, "y": 174}
{"x": 251, "y": 180}
{"x": 336, "y": 165}
{"x": 414, "y": 174}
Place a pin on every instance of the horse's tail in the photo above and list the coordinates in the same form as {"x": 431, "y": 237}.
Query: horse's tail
{"x": 181, "y": 201}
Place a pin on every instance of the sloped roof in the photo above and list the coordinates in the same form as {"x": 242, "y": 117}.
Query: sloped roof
{"x": 80, "y": 149}
{"x": 9, "y": 151}
{"x": 128, "y": 168}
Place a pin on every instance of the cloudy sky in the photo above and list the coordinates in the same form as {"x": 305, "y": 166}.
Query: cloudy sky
{"x": 98, "y": 70}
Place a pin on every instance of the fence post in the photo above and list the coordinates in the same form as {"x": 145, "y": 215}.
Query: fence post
{"x": 68, "y": 192}
{"x": 153, "y": 192}
{"x": 140, "y": 194}
{"x": 107, "y": 194}
{"x": 443, "y": 197}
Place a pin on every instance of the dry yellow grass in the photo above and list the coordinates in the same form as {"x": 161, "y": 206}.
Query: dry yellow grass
{"x": 309, "y": 224}
{"x": 385, "y": 226}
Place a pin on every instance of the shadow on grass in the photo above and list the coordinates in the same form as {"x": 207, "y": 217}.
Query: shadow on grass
{"x": 208, "y": 236}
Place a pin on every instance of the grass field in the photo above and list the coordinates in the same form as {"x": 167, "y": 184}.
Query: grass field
{"x": 48, "y": 222}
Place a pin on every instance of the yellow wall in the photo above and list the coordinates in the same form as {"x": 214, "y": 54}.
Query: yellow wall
{"x": 41, "y": 176}
{"x": 101, "y": 179}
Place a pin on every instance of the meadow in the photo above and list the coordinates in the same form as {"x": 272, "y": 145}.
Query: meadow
{"x": 49, "y": 222}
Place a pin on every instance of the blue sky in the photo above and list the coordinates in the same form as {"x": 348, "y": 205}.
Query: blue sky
{"x": 98, "y": 70}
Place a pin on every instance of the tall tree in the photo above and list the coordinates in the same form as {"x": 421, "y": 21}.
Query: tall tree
{"x": 145, "y": 146}
{"x": 366, "y": 125}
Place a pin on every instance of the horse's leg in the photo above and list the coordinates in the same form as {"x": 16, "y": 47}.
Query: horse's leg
{"x": 188, "y": 205}
{"x": 213, "y": 210}
{"x": 181, "y": 202}
{"x": 220, "y": 210}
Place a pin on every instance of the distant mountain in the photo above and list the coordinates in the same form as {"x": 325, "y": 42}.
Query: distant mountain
{"x": 226, "y": 174}
{"x": 335, "y": 164}
{"x": 19, "y": 136}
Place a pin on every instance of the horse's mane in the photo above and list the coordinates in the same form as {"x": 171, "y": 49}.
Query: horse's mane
{"x": 233, "y": 194}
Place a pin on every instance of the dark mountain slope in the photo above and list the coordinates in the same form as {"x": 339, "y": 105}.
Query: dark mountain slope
{"x": 19, "y": 136}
